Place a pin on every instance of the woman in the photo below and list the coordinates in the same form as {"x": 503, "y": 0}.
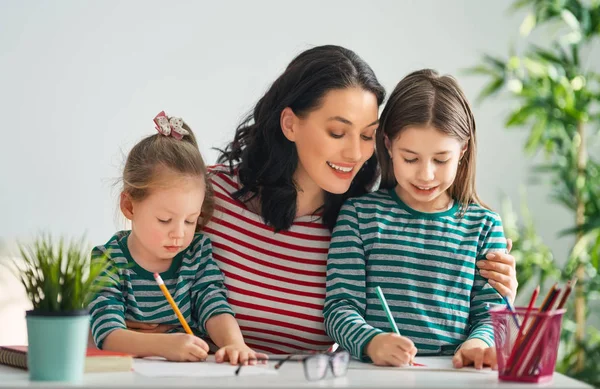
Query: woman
{"x": 307, "y": 146}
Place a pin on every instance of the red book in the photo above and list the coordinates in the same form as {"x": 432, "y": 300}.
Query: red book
{"x": 96, "y": 361}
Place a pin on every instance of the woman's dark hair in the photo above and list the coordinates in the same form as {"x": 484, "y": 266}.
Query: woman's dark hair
{"x": 267, "y": 160}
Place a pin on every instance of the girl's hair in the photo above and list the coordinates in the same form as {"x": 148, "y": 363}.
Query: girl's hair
{"x": 266, "y": 159}
{"x": 158, "y": 154}
{"x": 424, "y": 98}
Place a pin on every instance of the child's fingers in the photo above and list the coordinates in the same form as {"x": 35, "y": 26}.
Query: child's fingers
{"x": 477, "y": 357}
{"x": 261, "y": 356}
{"x": 489, "y": 358}
{"x": 198, "y": 353}
{"x": 457, "y": 360}
{"x": 403, "y": 342}
{"x": 244, "y": 357}
{"x": 201, "y": 343}
{"x": 401, "y": 358}
{"x": 233, "y": 356}
{"x": 220, "y": 355}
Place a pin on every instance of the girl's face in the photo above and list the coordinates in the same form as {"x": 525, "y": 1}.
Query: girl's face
{"x": 425, "y": 162}
{"x": 333, "y": 141}
{"x": 164, "y": 223}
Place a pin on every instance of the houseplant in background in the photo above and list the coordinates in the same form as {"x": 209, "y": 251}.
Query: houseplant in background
{"x": 556, "y": 88}
{"x": 58, "y": 277}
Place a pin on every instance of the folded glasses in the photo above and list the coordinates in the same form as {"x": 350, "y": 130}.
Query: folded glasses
{"x": 315, "y": 365}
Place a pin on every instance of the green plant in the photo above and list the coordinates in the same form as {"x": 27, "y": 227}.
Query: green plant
{"x": 557, "y": 91}
{"x": 58, "y": 277}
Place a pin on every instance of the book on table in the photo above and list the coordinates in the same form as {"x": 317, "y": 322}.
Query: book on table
{"x": 96, "y": 361}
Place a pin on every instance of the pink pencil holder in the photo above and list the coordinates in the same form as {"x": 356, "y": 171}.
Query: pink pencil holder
{"x": 528, "y": 353}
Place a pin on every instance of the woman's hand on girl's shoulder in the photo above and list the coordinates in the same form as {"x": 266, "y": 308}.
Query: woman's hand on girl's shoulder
{"x": 500, "y": 270}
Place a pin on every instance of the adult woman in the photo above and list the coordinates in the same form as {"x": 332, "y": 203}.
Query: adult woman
{"x": 307, "y": 146}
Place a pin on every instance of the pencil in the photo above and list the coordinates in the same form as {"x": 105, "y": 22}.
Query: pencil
{"x": 522, "y": 330}
{"x": 163, "y": 287}
{"x": 388, "y": 313}
{"x": 386, "y": 309}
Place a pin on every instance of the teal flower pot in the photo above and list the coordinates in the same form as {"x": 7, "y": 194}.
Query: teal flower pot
{"x": 57, "y": 345}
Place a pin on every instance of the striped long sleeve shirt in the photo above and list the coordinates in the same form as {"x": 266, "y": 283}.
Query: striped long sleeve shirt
{"x": 425, "y": 265}
{"x": 275, "y": 281}
{"x": 129, "y": 292}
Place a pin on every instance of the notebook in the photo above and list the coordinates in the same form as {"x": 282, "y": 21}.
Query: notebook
{"x": 96, "y": 361}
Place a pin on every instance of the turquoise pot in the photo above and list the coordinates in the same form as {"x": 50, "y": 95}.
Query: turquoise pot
{"x": 57, "y": 345}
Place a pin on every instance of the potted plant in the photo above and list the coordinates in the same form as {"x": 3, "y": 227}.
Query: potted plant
{"x": 59, "y": 280}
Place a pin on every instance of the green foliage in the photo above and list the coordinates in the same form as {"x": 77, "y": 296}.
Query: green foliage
{"x": 557, "y": 94}
{"x": 58, "y": 276}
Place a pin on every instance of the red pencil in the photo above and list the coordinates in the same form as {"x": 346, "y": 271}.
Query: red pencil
{"x": 522, "y": 331}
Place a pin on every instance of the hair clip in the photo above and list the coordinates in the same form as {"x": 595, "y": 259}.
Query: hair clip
{"x": 172, "y": 126}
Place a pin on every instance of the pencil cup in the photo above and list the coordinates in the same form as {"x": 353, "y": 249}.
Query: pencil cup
{"x": 526, "y": 343}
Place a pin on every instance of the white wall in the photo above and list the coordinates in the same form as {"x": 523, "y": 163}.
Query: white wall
{"x": 80, "y": 82}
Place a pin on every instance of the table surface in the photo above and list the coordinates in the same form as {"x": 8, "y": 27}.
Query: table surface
{"x": 291, "y": 375}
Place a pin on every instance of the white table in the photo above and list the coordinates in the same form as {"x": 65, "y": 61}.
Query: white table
{"x": 291, "y": 375}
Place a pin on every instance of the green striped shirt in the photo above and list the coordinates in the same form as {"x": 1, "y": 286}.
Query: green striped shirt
{"x": 130, "y": 292}
{"x": 425, "y": 266}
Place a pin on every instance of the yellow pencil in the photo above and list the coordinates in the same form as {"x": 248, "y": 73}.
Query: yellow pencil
{"x": 162, "y": 286}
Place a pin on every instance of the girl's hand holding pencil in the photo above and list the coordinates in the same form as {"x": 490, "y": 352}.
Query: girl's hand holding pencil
{"x": 391, "y": 349}
{"x": 182, "y": 347}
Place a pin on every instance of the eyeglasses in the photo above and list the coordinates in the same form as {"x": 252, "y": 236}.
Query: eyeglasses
{"x": 316, "y": 365}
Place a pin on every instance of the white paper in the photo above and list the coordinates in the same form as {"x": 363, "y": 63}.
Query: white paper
{"x": 154, "y": 367}
{"x": 431, "y": 363}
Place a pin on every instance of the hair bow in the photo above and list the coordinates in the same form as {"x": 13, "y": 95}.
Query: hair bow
{"x": 172, "y": 126}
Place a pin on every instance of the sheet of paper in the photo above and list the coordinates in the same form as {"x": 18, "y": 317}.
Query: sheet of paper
{"x": 430, "y": 363}
{"x": 155, "y": 367}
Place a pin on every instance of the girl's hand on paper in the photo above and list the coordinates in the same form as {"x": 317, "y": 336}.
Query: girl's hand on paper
{"x": 238, "y": 354}
{"x": 183, "y": 348}
{"x": 477, "y": 353}
{"x": 391, "y": 349}
{"x": 148, "y": 328}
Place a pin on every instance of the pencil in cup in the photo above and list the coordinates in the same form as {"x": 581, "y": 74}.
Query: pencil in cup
{"x": 388, "y": 313}
{"x": 163, "y": 287}
{"x": 537, "y": 351}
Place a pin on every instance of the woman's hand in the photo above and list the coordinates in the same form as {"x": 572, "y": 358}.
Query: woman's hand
{"x": 500, "y": 270}
{"x": 148, "y": 328}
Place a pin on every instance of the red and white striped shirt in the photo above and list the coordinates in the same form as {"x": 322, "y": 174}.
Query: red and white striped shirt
{"x": 275, "y": 281}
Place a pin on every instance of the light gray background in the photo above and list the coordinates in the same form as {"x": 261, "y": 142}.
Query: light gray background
{"x": 80, "y": 82}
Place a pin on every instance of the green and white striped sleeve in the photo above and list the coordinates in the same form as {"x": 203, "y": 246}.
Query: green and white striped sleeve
{"x": 107, "y": 308}
{"x": 209, "y": 294}
{"x": 483, "y": 295}
{"x": 345, "y": 300}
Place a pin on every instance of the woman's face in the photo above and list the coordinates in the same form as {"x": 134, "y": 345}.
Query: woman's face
{"x": 335, "y": 140}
